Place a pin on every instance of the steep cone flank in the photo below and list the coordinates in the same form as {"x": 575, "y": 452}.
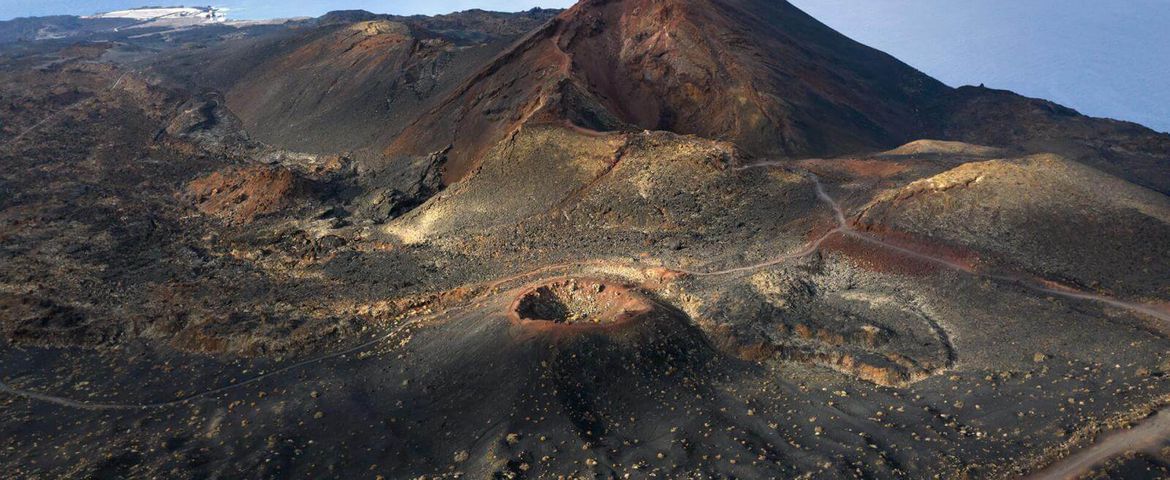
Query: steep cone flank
{"x": 760, "y": 73}
{"x": 355, "y": 79}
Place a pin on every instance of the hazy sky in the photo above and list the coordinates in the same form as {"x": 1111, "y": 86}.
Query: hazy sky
{"x": 1104, "y": 58}
{"x": 272, "y": 8}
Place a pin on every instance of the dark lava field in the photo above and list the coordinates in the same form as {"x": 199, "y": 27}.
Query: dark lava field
{"x": 631, "y": 239}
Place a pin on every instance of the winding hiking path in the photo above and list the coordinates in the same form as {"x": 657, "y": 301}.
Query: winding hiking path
{"x": 15, "y": 140}
{"x": 1144, "y": 436}
{"x": 98, "y": 406}
{"x": 842, "y": 227}
{"x": 845, "y": 228}
{"x": 1147, "y": 435}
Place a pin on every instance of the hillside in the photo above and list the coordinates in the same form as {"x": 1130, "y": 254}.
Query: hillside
{"x": 706, "y": 68}
{"x": 631, "y": 239}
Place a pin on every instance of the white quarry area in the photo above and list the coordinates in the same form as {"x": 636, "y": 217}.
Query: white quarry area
{"x": 210, "y": 14}
{"x": 171, "y": 17}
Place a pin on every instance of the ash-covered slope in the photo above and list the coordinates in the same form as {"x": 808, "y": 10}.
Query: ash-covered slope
{"x": 1027, "y": 125}
{"x": 1056, "y": 218}
{"x": 761, "y": 74}
{"x": 56, "y": 27}
{"x": 354, "y": 79}
{"x": 589, "y": 300}
{"x": 758, "y": 72}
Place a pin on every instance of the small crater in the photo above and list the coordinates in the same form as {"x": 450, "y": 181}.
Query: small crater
{"x": 579, "y": 302}
{"x": 829, "y": 319}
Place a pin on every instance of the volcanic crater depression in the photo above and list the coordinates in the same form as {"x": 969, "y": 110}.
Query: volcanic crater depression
{"x": 457, "y": 247}
{"x": 579, "y": 302}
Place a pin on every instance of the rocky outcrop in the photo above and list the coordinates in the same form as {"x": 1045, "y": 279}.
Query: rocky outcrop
{"x": 239, "y": 195}
{"x": 404, "y": 189}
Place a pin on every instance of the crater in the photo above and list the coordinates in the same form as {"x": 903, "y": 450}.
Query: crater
{"x": 832, "y": 319}
{"x": 579, "y": 302}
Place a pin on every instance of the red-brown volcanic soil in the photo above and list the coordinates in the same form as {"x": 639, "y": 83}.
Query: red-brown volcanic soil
{"x": 686, "y": 66}
{"x": 564, "y": 244}
{"x": 242, "y": 194}
{"x": 579, "y": 302}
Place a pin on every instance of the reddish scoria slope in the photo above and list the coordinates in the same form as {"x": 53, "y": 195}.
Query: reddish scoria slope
{"x": 759, "y": 73}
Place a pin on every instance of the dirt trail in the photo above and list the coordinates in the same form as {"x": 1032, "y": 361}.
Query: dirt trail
{"x": 1145, "y": 436}
{"x": 13, "y": 142}
{"x": 811, "y": 248}
{"x": 98, "y": 406}
{"x": 845, "y": 228}
{"x": 1158, "y": 427}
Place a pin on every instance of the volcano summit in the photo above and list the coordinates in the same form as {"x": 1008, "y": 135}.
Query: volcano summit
{"x": 631, "y": 239}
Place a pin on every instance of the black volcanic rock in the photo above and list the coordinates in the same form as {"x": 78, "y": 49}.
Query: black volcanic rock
{"x": 491, "y": 245}
{"x": 352, "y": 82}
{"x": 56, "y": 27}
{"x": 347, "y": 16}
